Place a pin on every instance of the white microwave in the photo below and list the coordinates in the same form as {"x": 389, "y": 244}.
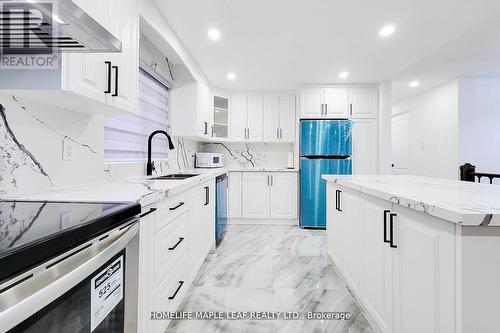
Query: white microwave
{"x": 209, "y": 160}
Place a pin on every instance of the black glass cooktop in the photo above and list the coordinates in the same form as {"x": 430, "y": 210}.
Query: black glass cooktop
{"x": 34, "y": 231}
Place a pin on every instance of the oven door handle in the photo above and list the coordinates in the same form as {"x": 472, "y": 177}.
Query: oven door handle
{"x": 25, "y": 299}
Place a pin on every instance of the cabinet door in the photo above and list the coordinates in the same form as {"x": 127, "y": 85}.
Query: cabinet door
{"x": 363, "y": 102}
{"x": 238, "y": 118}
{"x": 333, "y": 224}
{"x": 350, "y": 252}
{"x": 234, "y": 197}
{"x": 204, "y": 112}
{"x": 283, "y": 195}
{"x": 254, "y": 118}
{"x": 127, "y": 61}
{"x": 271, "y": 118}
{"x": 424, "y": 273}
{"x": 255, "y": 195}
{"x": 311, "y": 101}
{"x": 365, "y": 147}
{"x": 287, "y": 118}
{"x": 376, "y": 260}
{"x": 337, "y": 102}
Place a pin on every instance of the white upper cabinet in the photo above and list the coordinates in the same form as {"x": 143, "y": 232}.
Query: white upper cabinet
{"x": 363, "y": 103}
{"x": 246, "y": 118}
{"x": 279, "y": 118}
{"x": 341, "y": 103}
{"x": 254, "y": 118}
{"x": 336, "y": 103}
{"x": 191, "y": 111}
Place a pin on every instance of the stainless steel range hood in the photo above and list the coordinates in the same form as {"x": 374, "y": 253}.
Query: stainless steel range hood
{"x": 41, "y": 27}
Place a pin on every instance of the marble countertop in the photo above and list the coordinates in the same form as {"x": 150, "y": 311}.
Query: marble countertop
{"x": 142, "y": 190}
{"x": 467, "y": 203}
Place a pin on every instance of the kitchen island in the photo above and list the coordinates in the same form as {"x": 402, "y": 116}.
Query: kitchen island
{"x": 420, "y": 254}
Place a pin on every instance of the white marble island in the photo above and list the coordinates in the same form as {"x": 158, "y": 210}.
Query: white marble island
{"x": 419, "y": 253}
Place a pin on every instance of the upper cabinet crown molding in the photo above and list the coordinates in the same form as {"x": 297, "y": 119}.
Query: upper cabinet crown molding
{"x": 90, "y": 82}
{"x": 338, "y": 102}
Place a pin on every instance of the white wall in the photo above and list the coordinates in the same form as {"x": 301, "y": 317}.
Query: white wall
{"x": 433, "y": 131}
{"x": 479, "y": 124}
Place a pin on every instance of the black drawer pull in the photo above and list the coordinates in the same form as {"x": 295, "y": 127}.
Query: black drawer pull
{"x": 176, "y": 244}
{"x": 179, "y": 205}
{"x": 116, "y": 81}
{"x": 385, "y": 226}
{"x": 207, "y": 195}
{"x": 178, "y": 288}
{"x": 152, "y": 210}
{"x": 337, "y": 200}
{"x": 108, "y": 65}
{"x": 391, "y": 230}
{"x": 340, "y": 201}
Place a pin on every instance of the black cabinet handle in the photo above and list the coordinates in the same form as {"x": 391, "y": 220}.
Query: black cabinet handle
{"x": 116, "y": 81}
{"x": 108, "y": 90}
{"x": 177, "y": 290}
{"x": 337, "y": 200}
{"x": 207, "y": 195}
{"x": 152, "y": 210}
{"x": 212, "y": 131}
{"x": 350, "y": 109}
{"x": 391, "y": 230}
{"x": 179, "y": 205}
{"x": 206, "y": 127}
{"x": 385, "y": 225}
{"x": 340, "y": 200}
{"x": 176, "y": 244}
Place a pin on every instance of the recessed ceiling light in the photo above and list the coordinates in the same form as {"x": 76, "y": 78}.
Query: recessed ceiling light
{"x": 231, "y": 76}
{"x": 387, "y": 30}
{"x": 214, "y": 34}
{"x": 343, "y": 75}
{"x": 414, "y": 84}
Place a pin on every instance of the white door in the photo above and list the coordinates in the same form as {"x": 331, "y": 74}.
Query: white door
{"x": 238, "y": 118}
{"x": 363, "y": 102}
{"x": 311, "y": 103}
{"x": 283, "y": 195}
{"x": 400, "y": 142}
{"x": 376, "y": 256}
{"x": 234, "y": 195}
{"x": 255, "y": 195}
{"x": 350, "y": 253}
{"x": 271, "y": 115}
{"x": 365, "y": 147}
{"x": 424, "y": 274}
{"x": 337, "y": 102}
{"x": 287, "y": 118}
{"x": 254, "y": 118}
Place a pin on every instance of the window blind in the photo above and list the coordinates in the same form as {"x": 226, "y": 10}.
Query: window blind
{"x": 125, "y": 137}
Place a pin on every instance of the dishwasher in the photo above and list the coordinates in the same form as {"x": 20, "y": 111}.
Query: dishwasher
{"x": 221, "y": 197}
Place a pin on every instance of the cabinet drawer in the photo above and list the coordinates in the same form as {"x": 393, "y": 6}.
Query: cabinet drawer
{"x": 170, "y": 243}
{"x": 171, "y": 208}
{"x": 171, "y": 291}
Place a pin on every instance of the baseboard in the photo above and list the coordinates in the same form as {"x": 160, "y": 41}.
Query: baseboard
{"x": 264, "y": 221}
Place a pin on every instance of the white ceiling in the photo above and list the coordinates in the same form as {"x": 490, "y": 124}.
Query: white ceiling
{"x": 280, "y": 44}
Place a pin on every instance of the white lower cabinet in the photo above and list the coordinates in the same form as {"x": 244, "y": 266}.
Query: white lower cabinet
{"x": 399, "y": 263}
{"x": 268, "y": 195}
{"x": 234, "y": 195}
{"x": 176, "y": 235}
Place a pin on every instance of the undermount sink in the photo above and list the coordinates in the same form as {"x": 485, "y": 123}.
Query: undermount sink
{"x": 177, "y": 176}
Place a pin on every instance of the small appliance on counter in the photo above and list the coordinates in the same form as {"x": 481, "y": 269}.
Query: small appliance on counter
{"x": 209, "y": 160}
{"x": 69, "y": 266}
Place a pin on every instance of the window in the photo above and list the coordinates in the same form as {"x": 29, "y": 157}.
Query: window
{"x": 125, "y": 137}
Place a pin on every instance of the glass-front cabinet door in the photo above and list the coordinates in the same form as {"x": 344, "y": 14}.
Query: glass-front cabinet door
{"x": 221, "y": 116}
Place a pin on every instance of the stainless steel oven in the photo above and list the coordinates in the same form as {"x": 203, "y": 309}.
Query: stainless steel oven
{"x": 91, "y": 287}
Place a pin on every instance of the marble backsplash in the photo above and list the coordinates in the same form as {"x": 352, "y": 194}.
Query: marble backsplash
{"x": 252, "y": 155}
{"x": 31, "y": 140}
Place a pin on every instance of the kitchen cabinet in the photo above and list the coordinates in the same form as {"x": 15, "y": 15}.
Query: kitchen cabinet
{"x": 268, "y": 195}
{"x": 399, "y": 263}
{"x": 201, "y": 225}
{"x": 234, "y": 196}
{"x": 95, "y": 83}
{"x": 279, "y": 118}
{"x": 192, "y": 115}
{"x": 221, "y": 115}
{"x": 365, "y": 147}
{"x": 246, "y": 118}
{"x": 338, "y": 103}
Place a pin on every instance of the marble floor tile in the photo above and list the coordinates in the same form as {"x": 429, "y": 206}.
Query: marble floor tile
{"x": 299, "y": 245}
{"x": 204, "y": 299}
{"x": 301, "y": 272}
{"x": 245, "y": 299}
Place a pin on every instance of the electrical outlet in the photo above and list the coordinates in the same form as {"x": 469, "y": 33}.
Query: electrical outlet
{"x": 66, "y": 218}
{"x": 68, "y": 150}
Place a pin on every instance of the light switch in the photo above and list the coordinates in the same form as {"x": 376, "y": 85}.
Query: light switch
{"x": 68, "y": 150}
